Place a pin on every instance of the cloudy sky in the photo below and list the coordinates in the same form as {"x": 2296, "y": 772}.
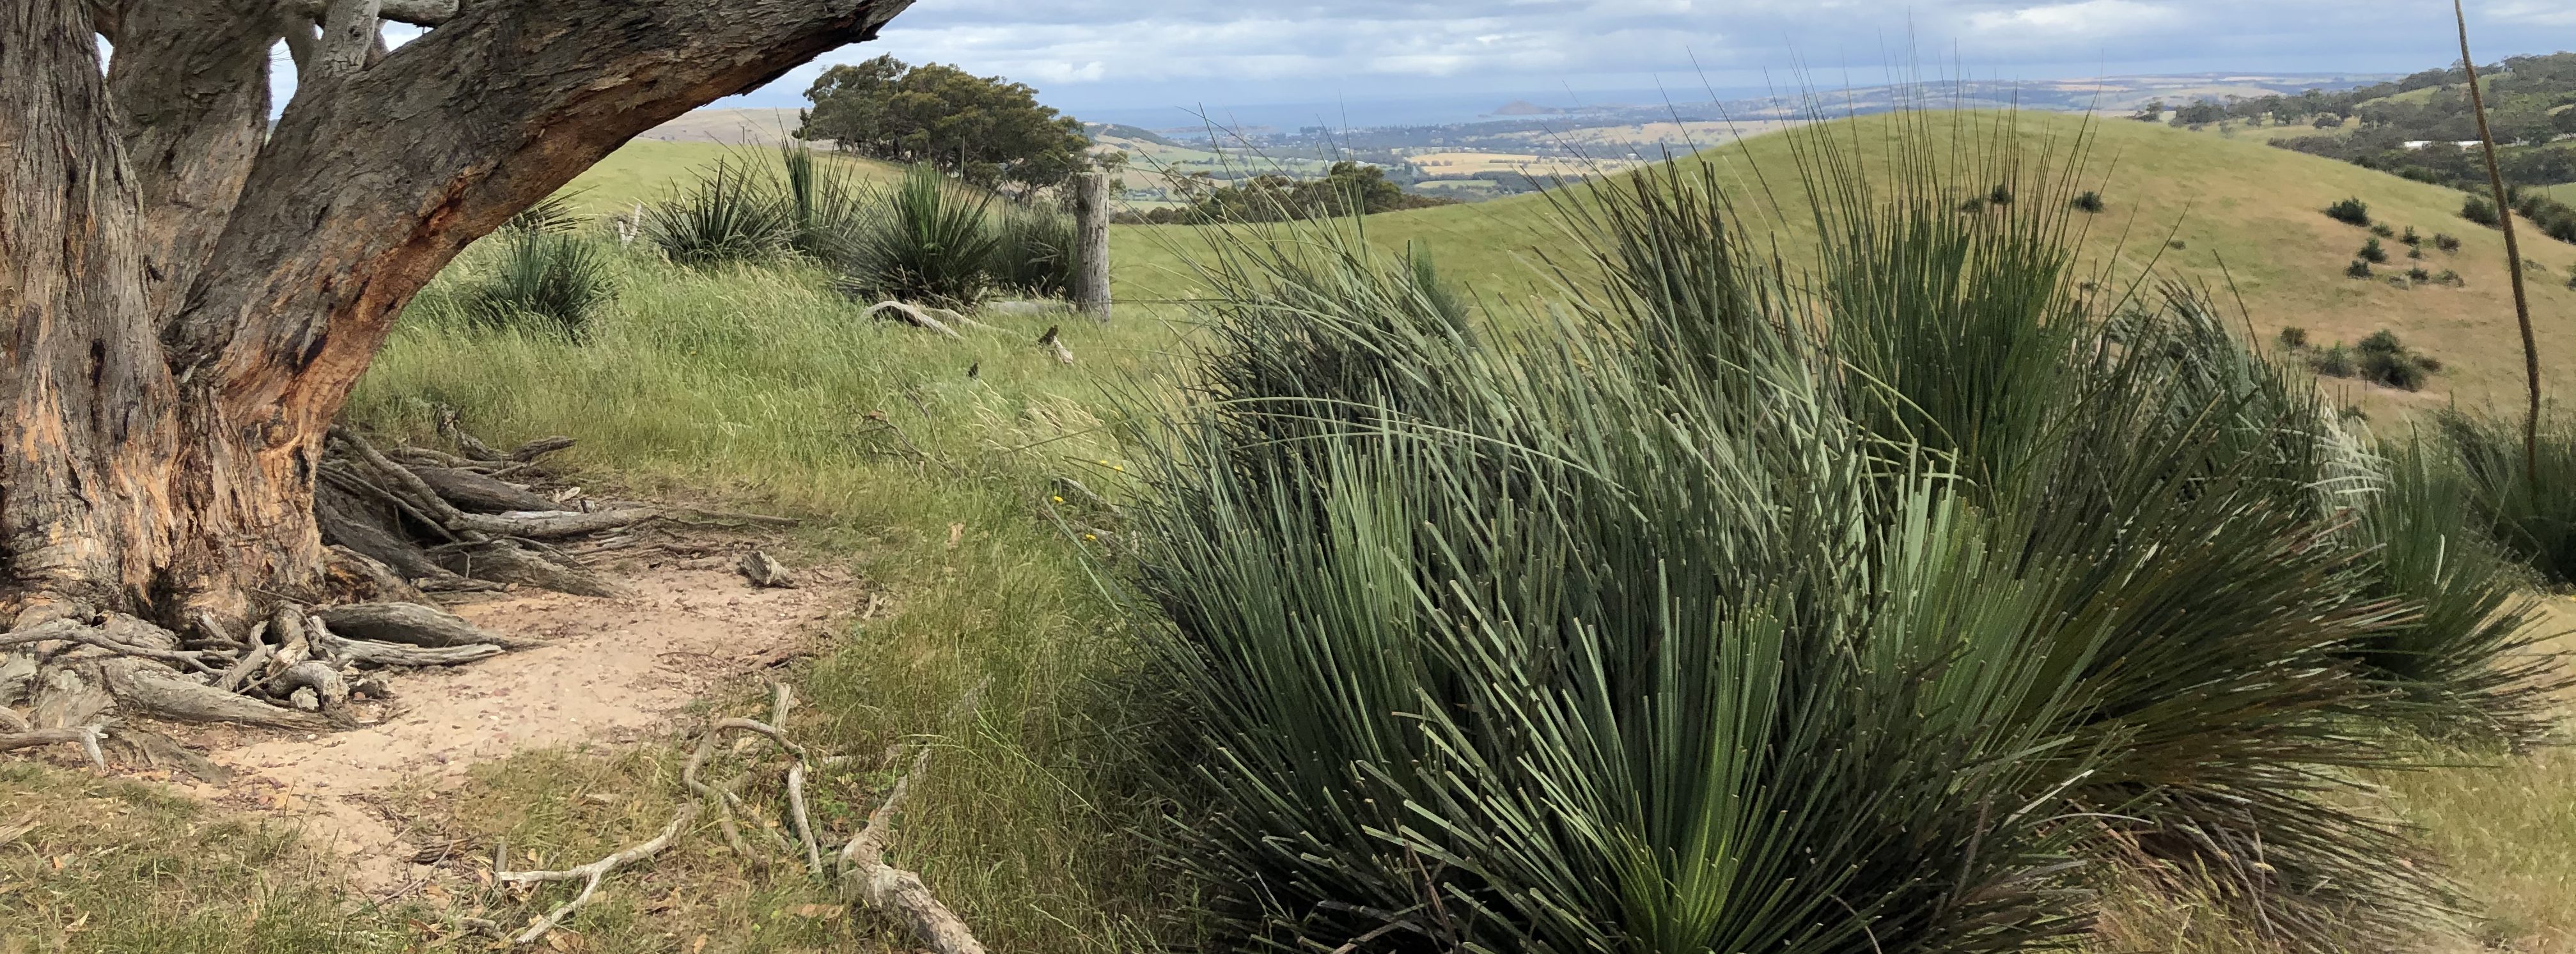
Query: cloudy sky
{"x": 1127, "y": 54}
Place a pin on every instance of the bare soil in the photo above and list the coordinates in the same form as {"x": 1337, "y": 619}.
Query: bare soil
{"x": 612, "y": 670}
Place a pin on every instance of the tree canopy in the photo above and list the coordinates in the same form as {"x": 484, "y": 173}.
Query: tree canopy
{"x": 987, "y": 130}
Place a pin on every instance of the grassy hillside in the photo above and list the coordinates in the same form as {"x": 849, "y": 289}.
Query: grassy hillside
{"x": 647, "y": 169}
{"x": 2246, "y": 216}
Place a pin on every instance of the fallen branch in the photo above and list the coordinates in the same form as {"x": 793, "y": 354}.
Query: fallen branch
{"x": 894, "y": 891}
{"x": 917, "y": 316}
{"x": 591, "y": 874}
{"x": 86, "y": 736}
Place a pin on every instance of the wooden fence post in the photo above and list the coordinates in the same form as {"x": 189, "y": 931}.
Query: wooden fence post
{"x": 1091, "y": 218}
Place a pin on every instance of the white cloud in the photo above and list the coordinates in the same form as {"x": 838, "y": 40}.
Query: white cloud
{"x": 2091, "y": 19}
{"x": 1176, "y": 51}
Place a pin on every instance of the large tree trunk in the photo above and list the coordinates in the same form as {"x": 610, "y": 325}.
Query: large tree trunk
{"x": 194, "y": 290}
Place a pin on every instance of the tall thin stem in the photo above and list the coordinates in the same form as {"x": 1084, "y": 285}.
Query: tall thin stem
{"x": 2513, "y": 257}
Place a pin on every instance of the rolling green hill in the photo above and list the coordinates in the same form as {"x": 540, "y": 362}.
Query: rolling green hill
{"x": 2246, "y": 218}
{"x": 647, "y": 169}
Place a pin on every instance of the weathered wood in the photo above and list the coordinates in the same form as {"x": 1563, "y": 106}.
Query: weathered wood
{"x": 411, "y": 624}
{"x": 1091, "y": 225}
{"x": 477, "y": 493}
{"x": 154, "y": 689}
{"x": 764, "y": 570}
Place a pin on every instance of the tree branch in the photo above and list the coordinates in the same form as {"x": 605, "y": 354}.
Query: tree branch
{"x": 361, "y": 196}
{"x": 349, "y": 32}
{"x": 428, "y": 13}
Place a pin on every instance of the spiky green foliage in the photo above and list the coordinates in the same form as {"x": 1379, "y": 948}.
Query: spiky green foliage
{"x": 542, "y": 281}
{"x": 1036, "y": 251}
{"x": 2350, "y": 211}
{"x": 730, "y": 213}
{"x": 554, "y": 215}
{"x": 1735, "y": 610}
{"x": 2537, "y": 525}
{"x": 933, "y": 243}
{"x": 825, "y": 203}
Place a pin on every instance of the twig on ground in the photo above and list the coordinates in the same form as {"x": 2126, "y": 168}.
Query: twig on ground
{"x": 591, "y": 874}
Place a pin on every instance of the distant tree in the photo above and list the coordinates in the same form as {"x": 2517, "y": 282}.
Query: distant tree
{"x": 2152, "y": 112}
{"x": 2200, "y": 113}
{"x": 987, "y": 130}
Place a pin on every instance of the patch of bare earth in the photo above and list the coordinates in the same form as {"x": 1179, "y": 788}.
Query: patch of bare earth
{"x": 611, "y": 670}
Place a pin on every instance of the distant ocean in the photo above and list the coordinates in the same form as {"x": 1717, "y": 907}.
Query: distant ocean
{"x": 1440, "y": 110}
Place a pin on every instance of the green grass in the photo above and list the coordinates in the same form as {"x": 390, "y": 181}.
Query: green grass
{"x": 2248, "y": 216}
{"x": 120, "y": 866}
{"x": 756, "y": 387}
{"x": 646, "y": 170}
{"x": 759, "y": 387}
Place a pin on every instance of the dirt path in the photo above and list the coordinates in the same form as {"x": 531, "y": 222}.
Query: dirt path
{"x": 613, "y": 670}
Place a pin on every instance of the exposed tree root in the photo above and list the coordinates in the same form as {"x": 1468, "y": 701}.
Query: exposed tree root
{"x": 397, "y": 526}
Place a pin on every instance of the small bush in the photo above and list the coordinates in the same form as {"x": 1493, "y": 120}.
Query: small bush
{"x": 2418, "y": 275}
{"x": 730, "y": 214}
{"x": 2088, "y": 201}
{"x": 2446, "y": 241}
{"x": 2358, "y": 269}
{"x": 2373, "y": 252}
{"x": 545, "y": 281}
{"x": 2477, "y": 209}
{"x": 2385, "y": 360}
{"x": 2350, "y": 212}
{"x": 2410, "y": 237}
{"x": 933, "y": 244}
{"x": 2294, "y": 337}
{"x": 2449, "y": 277}
{"x": 2382, "y": 230}
{"x": 2001, "y": 194}
{"x": 2177, "y": 244}
{"x": 2571, "y": 280}
{"x": 1973, "y": 206}
{"x": 2334, "y": 362}
{"x": 2414, "y": 253}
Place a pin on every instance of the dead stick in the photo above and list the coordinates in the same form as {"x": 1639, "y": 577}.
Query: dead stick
{"x": 591, "y": 874}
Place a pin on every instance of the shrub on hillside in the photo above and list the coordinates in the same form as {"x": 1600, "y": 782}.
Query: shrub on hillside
{"x": 2477, "y": 209}
{"x": 2358, "y": 269}
{"x": 2446, "y": 241}
{"x": 2334, "y": 362}
{"x": 2381, "y": 230}
{"x": 2418, "y": 275}
{"x": 728, "y": 214}
{"x": 2294, "y": 337}
{"x": 543, "y": 281}
{"x": 2001, "y": 194}
{"x": 933, "y": 243}
{"x": 2449, "y": 277}
{"x": 2382, "y": 359}
{"x": 2373, "y": 252}
{"x": 1973, "y": 205}
{"x": 2410, "y": 237}
{"x": 2350, "y": 212}
{"x": 2088, "y": 201}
